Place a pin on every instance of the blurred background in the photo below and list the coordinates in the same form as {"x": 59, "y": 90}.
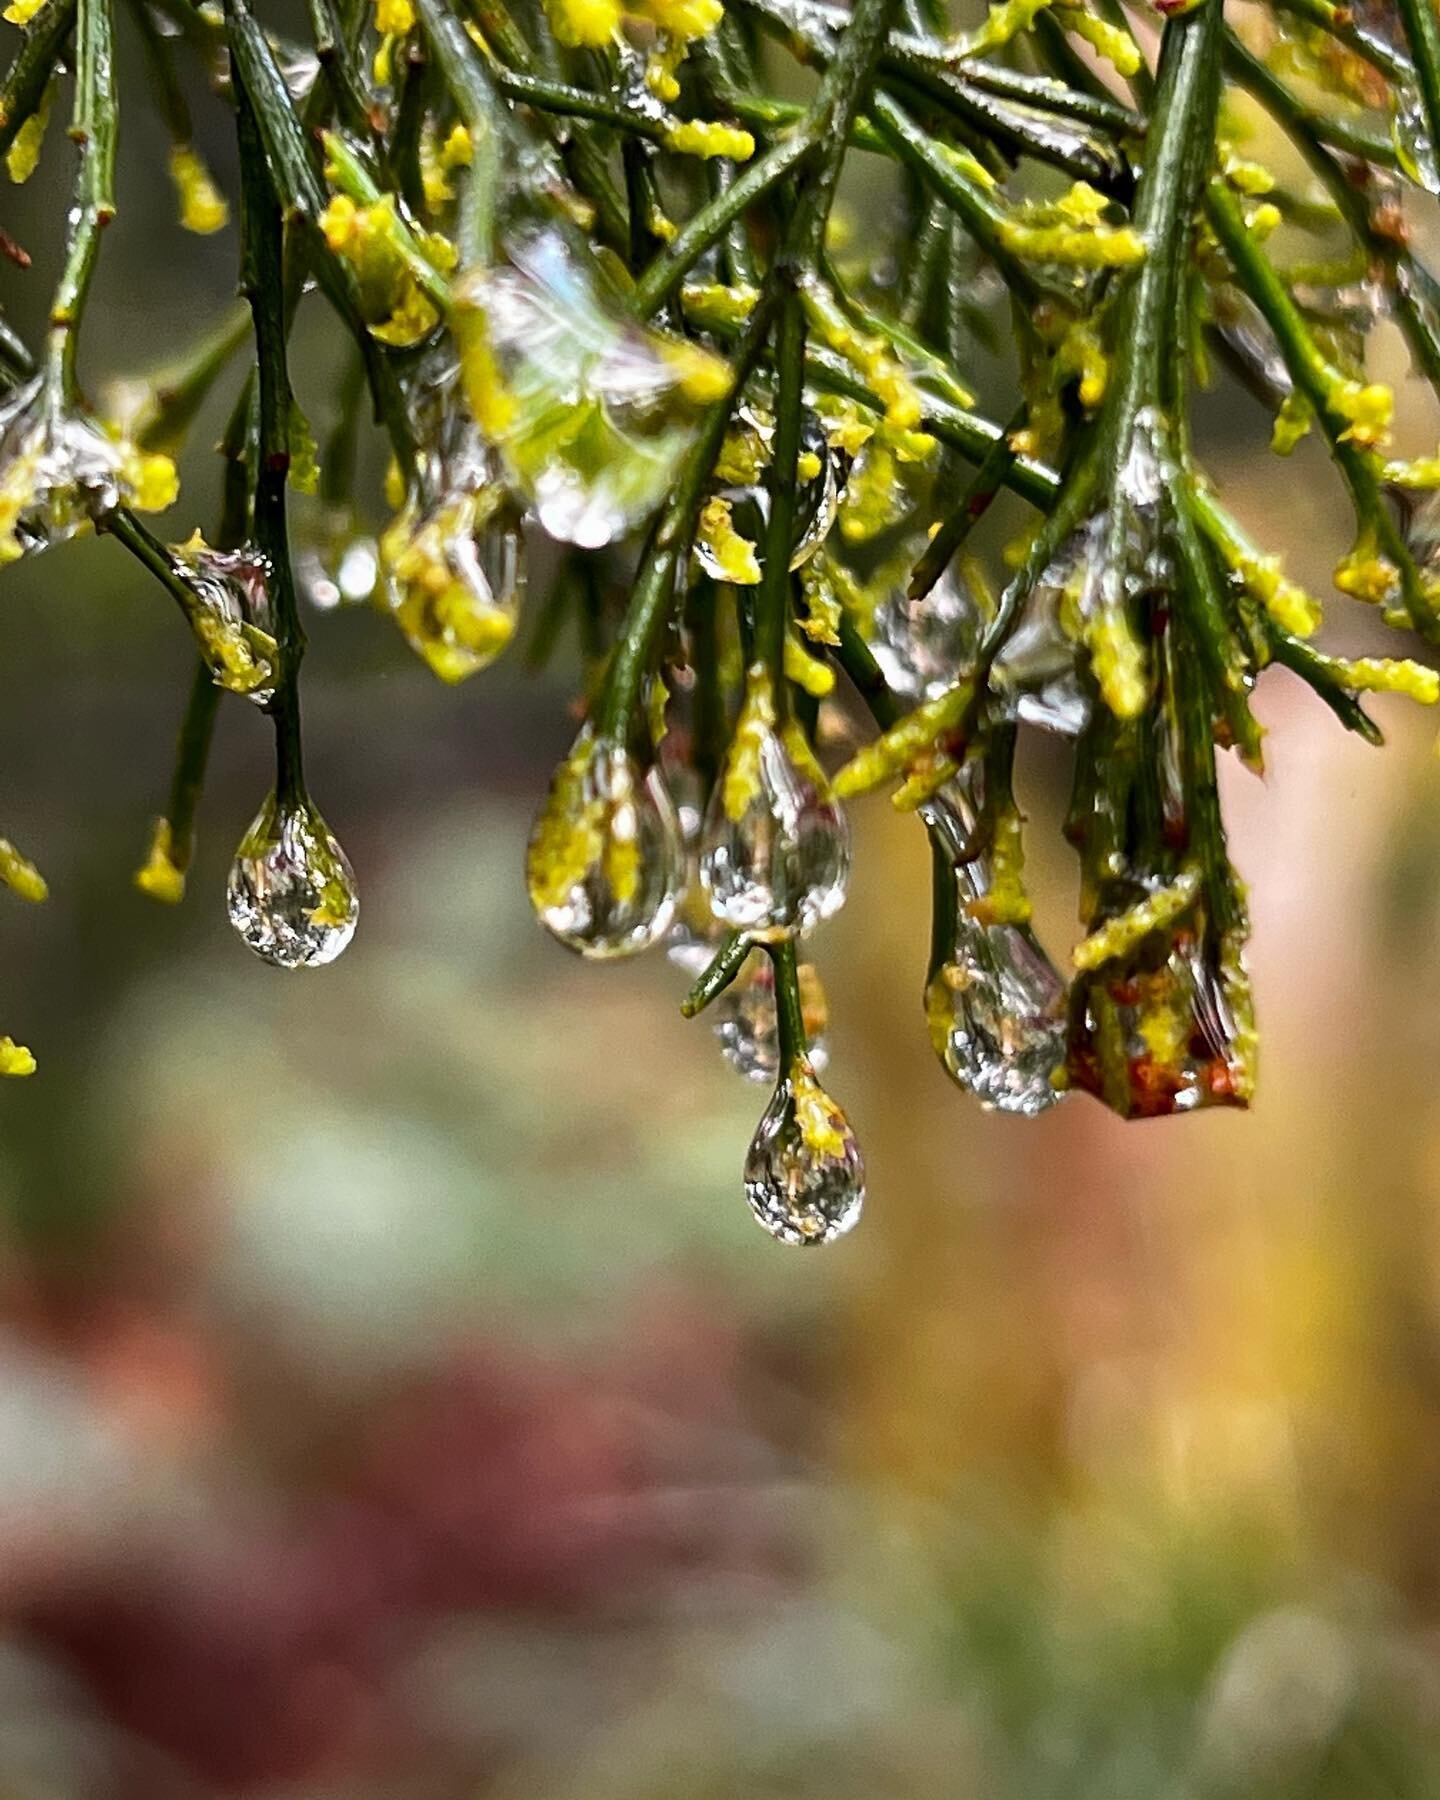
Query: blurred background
{"x": 398, "y": 1402}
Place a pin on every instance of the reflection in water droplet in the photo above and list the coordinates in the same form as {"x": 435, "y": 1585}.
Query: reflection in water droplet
{"x": 775, "y": 850}
{"x": 804, "y": 1174}
{"x": 995, "y": 1002}
{"x": 605, "y": 866}
{"x": 922, "y": 645}
{"x": 291, "y": 892}
{"x": 590, "y": 410}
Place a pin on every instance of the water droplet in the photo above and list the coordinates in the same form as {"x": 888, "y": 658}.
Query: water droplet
{"x": 775, "y": 850}
{"x": 743, "y": 1018}
{"x": 590, "y": 411}
{"x": 234, "y": 627}
{"x": 58, "y": 472}
{"x": 1167, "y": 1029}
{"x": 291, "y": 892}
{"x": 922, "y": 645}
{"x": 746, "y": 1026}
{"x": 804, "y": 1174}
{"x": 452, "y": 560}
{"x": 817, "y": 494}
{"x": 605, "y": 866}
{"x": 995, "y": 1003}
{"x": 1036, "y": 671}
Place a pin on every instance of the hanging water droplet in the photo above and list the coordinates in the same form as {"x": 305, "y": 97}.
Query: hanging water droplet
{"x": 605, "y": 867}
{"x": 1036, "y": 671}
{"x": 590, "y": 410}
{"x": 452, "y": 560}
{"x": 1166, "y": 1028}
{"x": 775, "y": 851}
{"x": 804, "y": 1174}
{"x": 996, "y": 1009}
{"x": 234, "y": 626}
{"x": 58, "y": 472}
{"x": 922, "y": 645}
{"x": 995, "y": 1003}
{"x": 291, "y": 892}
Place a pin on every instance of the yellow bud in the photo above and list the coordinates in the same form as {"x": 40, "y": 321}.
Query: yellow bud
{"x": 15, "y": 1059}
{"x": 23, "y": 156}
{"x": 584, "y": 24}
{"x": 202, "y": 205}
{"x": 394, "y": 18}
{"x": 160, "y": 876}
{"x": 20, "y": 874}
{"x": 699, "y": 137}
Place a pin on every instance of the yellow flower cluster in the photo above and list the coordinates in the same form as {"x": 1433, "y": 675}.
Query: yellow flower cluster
{"x": 372, "y": 240}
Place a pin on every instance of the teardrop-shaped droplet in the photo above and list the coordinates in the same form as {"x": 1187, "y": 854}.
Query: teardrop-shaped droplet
{"x": 996, "y": 1009}
{"x": 821, "y": 472}
{"x": 817, "y": 487}
{"x": 804, "y": 1174}
{"x": 58, "y": 472}
{"x": 452, "y": 562}
{"x": 922, "y": 645}
{"x": 453, "y": 580}
{"x": 995, "y": 1002}
{"x": 605, "y": 866}
{"x": 291, "y": 892}
{"x": 775, "y": 851}
{"x": 590, "y": 410}
{"x": 234, "y": 627}
{"x": 1036, "y": 673}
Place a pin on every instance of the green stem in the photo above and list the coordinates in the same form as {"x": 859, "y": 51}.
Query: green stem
{"x": 1422, "y": 33}
{"x": 789, "y": 1007}
{"x": 470, "y": 76}
{"x": 262, "y": 282}
{"x": 1416, "y": 294}
{"x": 35, "y": 62}
{"x": 1339, "y": 22}
{"x": 669, "y": 548}
{"x": 93, "y": 130}
{"x": 974, "y": 503}
{"x": 1316, "y": 380}
{"x": 772, "y": 600}
{"x": 192, "y": 755}
{"x": 709, "y": 223}
{"x": 727, "y": 963}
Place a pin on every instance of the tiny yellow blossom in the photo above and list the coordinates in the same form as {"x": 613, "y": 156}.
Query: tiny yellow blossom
{"x": 734, "y": 556}
{"x": 20, "y": 874}
{"x": 23, "y": 156}
{"x": 1369, "y": 409}
{"x": 202, "y": 205}
{"x": 15, "y": 1059}
{"x": 706, "y": 138}
{"x": 160, "y": 876}
{"x": 584, "y": 24}
{"x": 394, "y": 18}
